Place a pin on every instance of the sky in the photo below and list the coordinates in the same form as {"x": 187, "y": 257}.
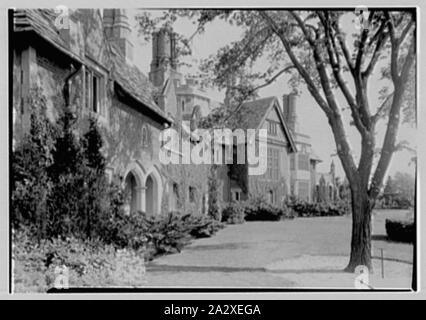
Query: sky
{"x": 311, "y": 119}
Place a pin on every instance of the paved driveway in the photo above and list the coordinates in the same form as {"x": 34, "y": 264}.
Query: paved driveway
{"x": 239, "y": 255}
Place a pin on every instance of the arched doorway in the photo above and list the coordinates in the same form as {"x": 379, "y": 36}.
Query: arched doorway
{"x": 150, "y": 195}
{"x": 153, "y": 191}
{"x": 130, "y": 191}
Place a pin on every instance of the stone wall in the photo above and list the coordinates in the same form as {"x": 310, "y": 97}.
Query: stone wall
{"x": 123, "y": 125}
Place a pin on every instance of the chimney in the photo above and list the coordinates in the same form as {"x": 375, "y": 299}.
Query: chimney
{"x": 117, "y": 30}
{"x": 164, "y": 57}
{"x": 289, "y": 111}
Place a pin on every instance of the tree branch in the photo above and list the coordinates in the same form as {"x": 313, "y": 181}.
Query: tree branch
{"x": 302, "y": 71}
{"x": 275, "y": 77}
{"x": 331, "y": 108}
{"x": 394, "y": 48}
{"x": 393, "y": 123}
{"x": 380, "y": 38}
{"x": 336, "y": 67}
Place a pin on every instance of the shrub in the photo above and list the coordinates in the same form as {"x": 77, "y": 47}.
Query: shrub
{"x": 204, "y": 227}
{"x": 167, "y": 234}
{"x": 31, "y": 158}
{"x": 90, "y": 263}
{"x": 233, "y": 213}
{"x": 399, "y": 230}
{"x": 171, "y": 232}
{"x": 59, "y": 185}
{"x": 126, "y": 231}
{"x": 318, "y": 209}
{"x": 258, "y": 209}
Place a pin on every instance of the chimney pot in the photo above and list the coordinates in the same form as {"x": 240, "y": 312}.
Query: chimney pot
{"x": 289, "y": 111}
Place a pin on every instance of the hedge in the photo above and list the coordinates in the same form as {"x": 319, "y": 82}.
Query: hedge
{"x": 258, "y": 209}
{"x": 233, "y": 213}
{"x": 319, "y": 209}
{"x": 399, "y": 230}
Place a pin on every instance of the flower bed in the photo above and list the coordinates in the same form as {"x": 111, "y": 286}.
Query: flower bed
{"x": 89, "y": 263}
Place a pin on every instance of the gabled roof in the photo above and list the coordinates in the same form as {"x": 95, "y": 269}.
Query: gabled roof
{"x": 129, "y": 78}
{"x": 41, "y": 21}
{"x": 251, "y": 114}
{"x": 134, "y": 82}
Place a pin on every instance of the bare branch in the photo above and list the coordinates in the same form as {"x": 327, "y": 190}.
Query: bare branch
{"x": 305, "y": 75}
{"x": 336, "y": 67}
{"x": 405, "y": 32}
{"x": 380, "y": 37}
{"x": 361, "y": 48}
{"x": 345, "y": 49}
{"x": 394, "y": 48}
{"x": 393, "y": 123}
{"x": 331, "y": 108}
{"x": 275, "y": 77}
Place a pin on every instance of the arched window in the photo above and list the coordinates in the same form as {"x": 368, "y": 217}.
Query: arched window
{"x": 271, "y": 196}
{"x": 145, "y": 136}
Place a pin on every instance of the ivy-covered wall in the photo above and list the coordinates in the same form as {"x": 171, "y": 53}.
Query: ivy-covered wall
{"x": 129, "y": 135}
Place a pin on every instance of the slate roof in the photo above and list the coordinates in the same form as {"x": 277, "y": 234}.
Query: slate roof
{"x": 41, "y": 22}
{"x": 250, "y": 115}
{"x": 128, "y": 76}
{"x": 134, "y": 82}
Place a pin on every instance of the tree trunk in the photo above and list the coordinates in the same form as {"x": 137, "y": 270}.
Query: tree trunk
{"x": 361, "y": 230}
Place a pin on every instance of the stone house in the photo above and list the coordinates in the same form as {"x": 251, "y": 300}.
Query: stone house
{"x": 90, "y": 58}
{"x": 238, "y": 184}
{"x": 306, "y": 182}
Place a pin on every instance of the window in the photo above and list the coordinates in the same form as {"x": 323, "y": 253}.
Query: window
{"x": 192, "y": 194}
{"x": 236, "y": 195}
{"x": 303, "y": 190}
{"x": 292, "y": 162}
{"x": 273, "y": 164}
{"x": 271, "y": 196}
{"x": 95, "y": 99}
{"x": 183, "y": 106}
{"x": 95, "y": 92}
{"x": 303, "y": 161}
{"x": 145, "y": 137}
{"x": 272, "y": 128}
{"x": 174, "y": 198}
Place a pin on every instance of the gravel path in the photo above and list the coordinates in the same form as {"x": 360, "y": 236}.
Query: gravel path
{"x": 304, "y": 252}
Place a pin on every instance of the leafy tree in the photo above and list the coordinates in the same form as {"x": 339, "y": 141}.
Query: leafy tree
{"x": 30, "y": 161}
{"x": 96, "y": 198}
{"x": 93, "y": 144}
{"x": 389, "y": 186}
{"x": 335, "y": 65}
{"x": 67, "y": 154}
{"x": 404, "y": 185}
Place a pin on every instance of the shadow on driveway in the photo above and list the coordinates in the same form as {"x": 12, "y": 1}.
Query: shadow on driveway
{"x": 182, "y": 268}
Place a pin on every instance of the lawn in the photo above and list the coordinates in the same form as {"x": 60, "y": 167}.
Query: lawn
{"x": 251, "y": 254}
